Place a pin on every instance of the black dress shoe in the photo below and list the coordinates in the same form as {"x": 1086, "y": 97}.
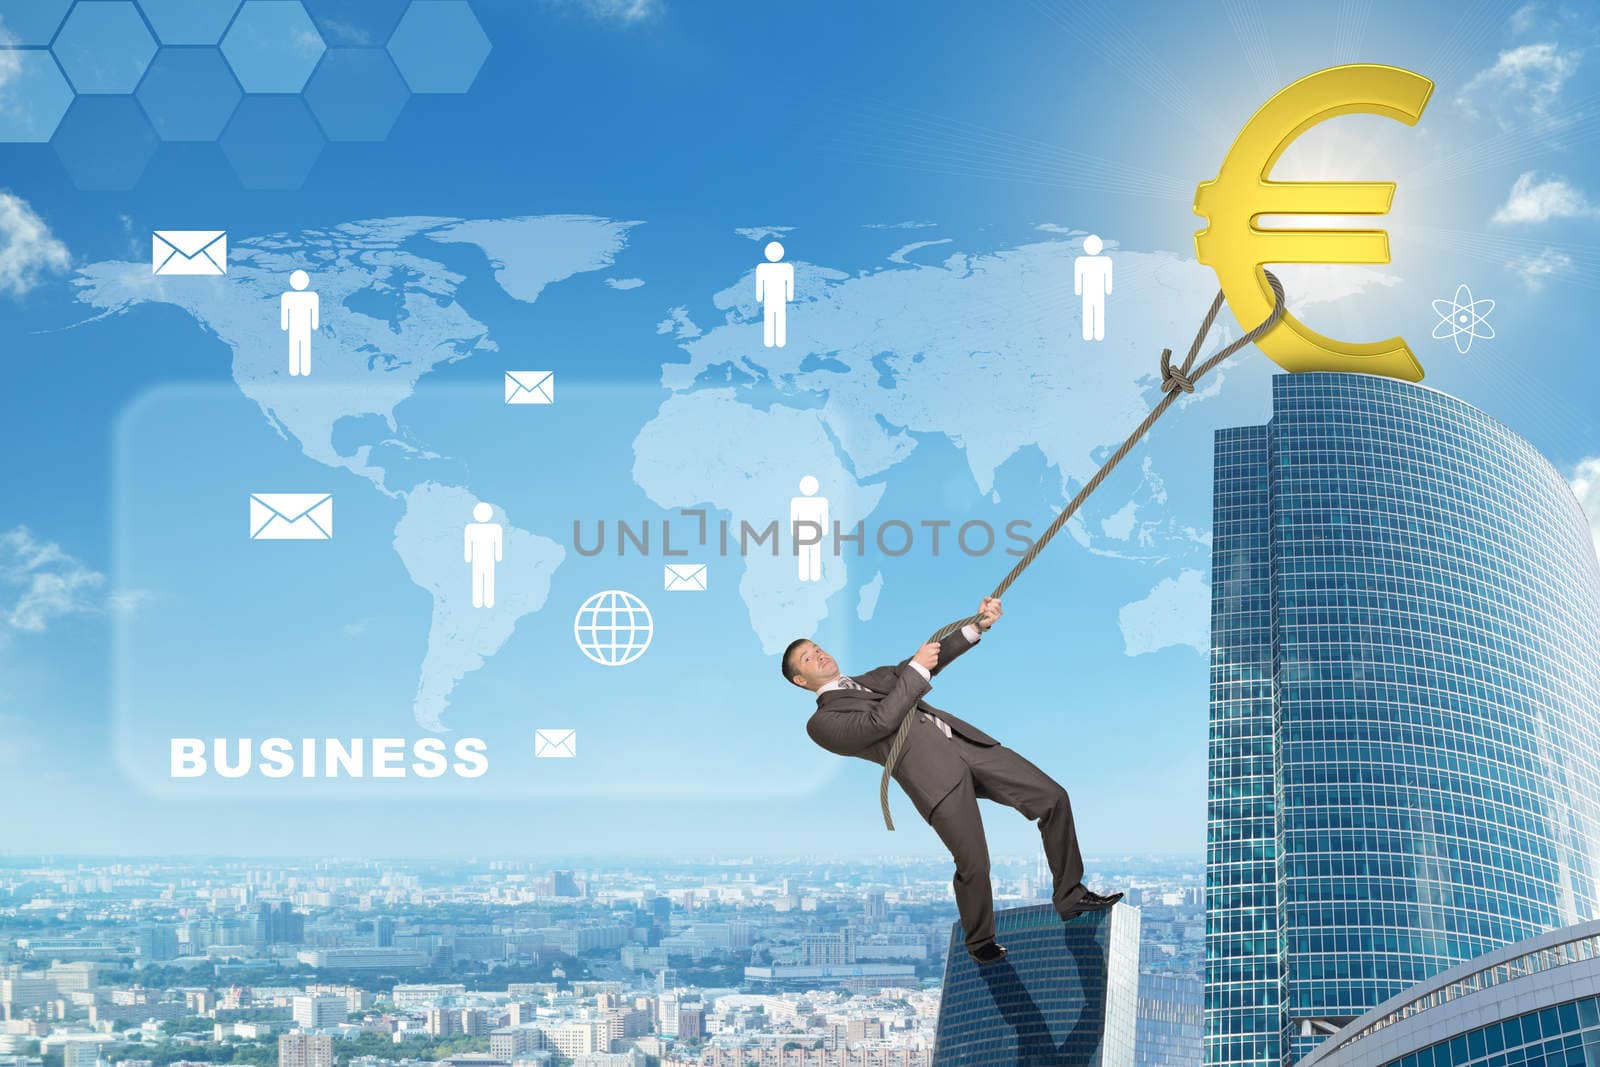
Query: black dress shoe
{"x": 989, "y": 952}
{"x": 1093, "y": 901}
{"x": 1088, "y": 900}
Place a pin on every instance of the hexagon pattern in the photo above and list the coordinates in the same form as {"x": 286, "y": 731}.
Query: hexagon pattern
{"x": 189, "y": 94}
{"x": 189, "y": 21}
{"x": 356, "y": 94}
{"x": 32, "y": 22}
{"x": 105, "y": 142}
{"x": 37, "y": 95}
{"x": 356, "y": 23}
{"x": 272, "y": 142}
{"x": 439, "y": 46}
{"x": 273, "y": 46}
{"x": 104, "y": 46}
{"x": 202, "y": 90}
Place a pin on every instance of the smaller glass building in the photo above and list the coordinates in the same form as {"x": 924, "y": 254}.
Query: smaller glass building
{"x": 1171, "y": 1028}
{"x": 1065, "y": 996}
{"x": 1532, "y": 1004}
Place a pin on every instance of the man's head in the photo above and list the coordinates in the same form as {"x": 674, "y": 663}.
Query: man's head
{"x": 806, "y": 665}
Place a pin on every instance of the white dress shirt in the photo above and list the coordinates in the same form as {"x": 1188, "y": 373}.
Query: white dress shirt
{"x": 970, "y": 631}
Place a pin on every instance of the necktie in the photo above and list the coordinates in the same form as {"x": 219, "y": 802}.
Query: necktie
{"x": 846, "y": 682}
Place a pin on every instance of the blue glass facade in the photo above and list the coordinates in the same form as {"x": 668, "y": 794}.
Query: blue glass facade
{"x": 1562, "y": 1035}
{"x": 1405, "y": 695}
{"x": 1171, "y": 1021}
{"x": 1065, "y": 996}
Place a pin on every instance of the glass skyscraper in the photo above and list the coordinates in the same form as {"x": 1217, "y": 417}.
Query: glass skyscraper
{"x": 1532, "y": 1004}
{"x": 1171, "y": 1021}
{"x": 1405, "y": 695}
{"x": 1065, "y": 996}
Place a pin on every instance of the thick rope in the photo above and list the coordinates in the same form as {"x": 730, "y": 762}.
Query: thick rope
{"x": 1174, "y": 380}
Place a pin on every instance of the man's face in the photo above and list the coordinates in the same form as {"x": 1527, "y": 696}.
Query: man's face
{"x": 813, "y": 667}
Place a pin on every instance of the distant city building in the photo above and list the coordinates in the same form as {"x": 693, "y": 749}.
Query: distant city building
{"x": 825, "y": 949}
{"x": 639, "y": 958}
{"x": 716, "y": 1056}
{"x": 1066, "y": 994}
{"x": 383, "y": 932}
{"x": 1536, "y": 1002}
{"x": 667, "y": 1015}
{"x": 362, "y": 959}
{"x": 421, "y": 995}
{"x": 158, "y": 943}
{"x": 691, "y": 1023}
{"x": 320, "y": 1011}
{"x": 73, "y": 977}
{"x": 579, "y": 1038}
{"x": 857, "y": 976}
{"x": 23, "y": 991}
{"x": 280, "y": 924}
{"x": 305, "y": 1050}
{"x": 67, "y": 949}
{"x": 1171, "y": 1027}
{"x": 1405, "y": 677}
{"x": 481, "y": 947}
{"x": 859, "y": 1030}
{"x": 515, "y": 1042}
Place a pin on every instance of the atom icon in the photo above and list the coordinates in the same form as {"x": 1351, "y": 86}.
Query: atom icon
{"x": 1463, "y": 319}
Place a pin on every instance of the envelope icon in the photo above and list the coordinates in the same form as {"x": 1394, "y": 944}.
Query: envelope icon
{"x": 291, "y": 516}
{"x": 555, "y": 744}
{"x": 189, "y": 252}
{"x": 685, "y": 578}
{"x": 530, "y": 387}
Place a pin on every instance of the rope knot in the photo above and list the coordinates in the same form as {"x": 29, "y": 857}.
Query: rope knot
{"x": 1173, "y": 378}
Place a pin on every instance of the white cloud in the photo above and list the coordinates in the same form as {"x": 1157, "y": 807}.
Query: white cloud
{"x": 40, "y": 583}
{"x": 28, "y": 250}
{"x": 1535, "y": 270}
{"x": 1177, "y": 612}
{"x": 1586, "y": 486}
{"x": 1524, "y": 82}
{"x": 626, "y": 12}
{"x": 761, "y": 233}
{"x": 1532, "y": 200}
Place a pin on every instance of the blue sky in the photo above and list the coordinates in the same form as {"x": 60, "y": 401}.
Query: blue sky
{"x": 697, "y": 120}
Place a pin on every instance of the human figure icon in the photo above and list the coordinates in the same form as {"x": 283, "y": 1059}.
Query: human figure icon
{"x": 300, "y": 315}
{"x": 774, "y": 288}
{"x": 808, "y": 521}
{"x": 485, "y": 543}
{"x": 1091, "y": 279}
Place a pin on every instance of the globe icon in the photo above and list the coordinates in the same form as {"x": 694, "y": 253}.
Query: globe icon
{"x": 613, "y": 628}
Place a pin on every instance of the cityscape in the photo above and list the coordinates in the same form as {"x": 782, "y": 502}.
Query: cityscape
{"x": 853, "y": 308}
{"x": 1401, "y": 865}
{"x": 161, "y": 962}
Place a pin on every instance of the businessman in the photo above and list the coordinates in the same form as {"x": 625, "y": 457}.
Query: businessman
{"x": 945, "y": 767}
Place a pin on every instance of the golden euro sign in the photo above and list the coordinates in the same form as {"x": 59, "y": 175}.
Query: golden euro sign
{"x": 1236, "y": 247}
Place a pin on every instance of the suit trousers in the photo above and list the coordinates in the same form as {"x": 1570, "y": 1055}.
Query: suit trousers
{"x": 997, "y": 773}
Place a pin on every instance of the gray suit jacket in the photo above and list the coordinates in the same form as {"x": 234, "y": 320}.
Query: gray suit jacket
{"x": 852, "y": 723}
